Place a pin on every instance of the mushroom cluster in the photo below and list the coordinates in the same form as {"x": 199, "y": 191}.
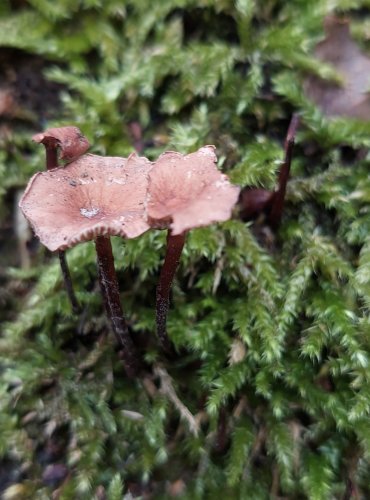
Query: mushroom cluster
{"x": 94, "y": 197}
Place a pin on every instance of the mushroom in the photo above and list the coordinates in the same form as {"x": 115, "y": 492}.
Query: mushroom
{"x": 71, "y": 144}
{"x": 256, "y": 201}
{"x": 92, "y": 198}
{"x": 184, "y": 192}
{"x": 69, "y": 140}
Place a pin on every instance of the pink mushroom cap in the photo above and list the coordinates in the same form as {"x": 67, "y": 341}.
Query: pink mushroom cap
{"x": 70, "y": 140}
{"x": 91, "y": 196}
{"x": 189, "y": 191}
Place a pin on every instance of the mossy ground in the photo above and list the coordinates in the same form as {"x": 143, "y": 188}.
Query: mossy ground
{"x": 291, "y": 418}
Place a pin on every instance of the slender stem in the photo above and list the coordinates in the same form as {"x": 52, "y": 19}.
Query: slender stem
{"x": 68, "y": 282}
{"x": 175, "y": 244}
{"x": 51, "y": 150}
{"x": 279, "y": 196}
{"x": 110, "y": 291}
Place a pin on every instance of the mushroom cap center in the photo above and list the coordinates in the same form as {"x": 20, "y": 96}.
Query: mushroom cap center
{"x": 89, "y": 212}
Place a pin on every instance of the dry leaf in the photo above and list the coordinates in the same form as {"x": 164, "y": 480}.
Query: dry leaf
{"x": 352, "y": 98}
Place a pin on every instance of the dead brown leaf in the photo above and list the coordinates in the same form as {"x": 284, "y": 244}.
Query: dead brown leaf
{"x": 351, "y": 98}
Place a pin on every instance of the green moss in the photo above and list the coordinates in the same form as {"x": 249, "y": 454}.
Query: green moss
{"x": 291, "y": 418}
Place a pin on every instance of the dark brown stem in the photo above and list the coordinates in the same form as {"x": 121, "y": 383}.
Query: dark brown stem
{"x": 110, "y": 291}
{"x": 175, "y": 244}
{"x": 51, "y": 150}
{"x": 279, "y": 196}
{"x": 68, "y": 282}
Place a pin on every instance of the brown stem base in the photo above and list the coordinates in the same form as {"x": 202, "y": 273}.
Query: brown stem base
{"x": 175, "y": 244}
{"x": 68, "y": 282}
{"x": 110, "y": 291}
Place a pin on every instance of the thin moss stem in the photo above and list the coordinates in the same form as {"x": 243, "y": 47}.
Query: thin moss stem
{"x": 175, "y": 244}
{"x": 110, "y": 291}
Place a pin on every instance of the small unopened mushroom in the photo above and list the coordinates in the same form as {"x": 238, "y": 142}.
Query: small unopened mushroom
{"x": 256, "y": 201}
{"x": 92, "y": 198}
{"x": 71, "y": 143}
{"x": 185, "y": 192}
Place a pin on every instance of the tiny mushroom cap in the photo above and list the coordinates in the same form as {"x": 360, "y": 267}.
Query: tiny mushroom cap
{"x": 70, "y": 140}
{"x": 189, "y": 191}
{"x": 92, "y": 196}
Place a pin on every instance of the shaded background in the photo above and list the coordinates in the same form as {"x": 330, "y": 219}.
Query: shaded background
{"x": 273, "y": 327}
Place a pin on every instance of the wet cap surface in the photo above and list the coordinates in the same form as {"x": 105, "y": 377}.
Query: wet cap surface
{"x": 189, "y": 191}
{"x": 89, "y": 197}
